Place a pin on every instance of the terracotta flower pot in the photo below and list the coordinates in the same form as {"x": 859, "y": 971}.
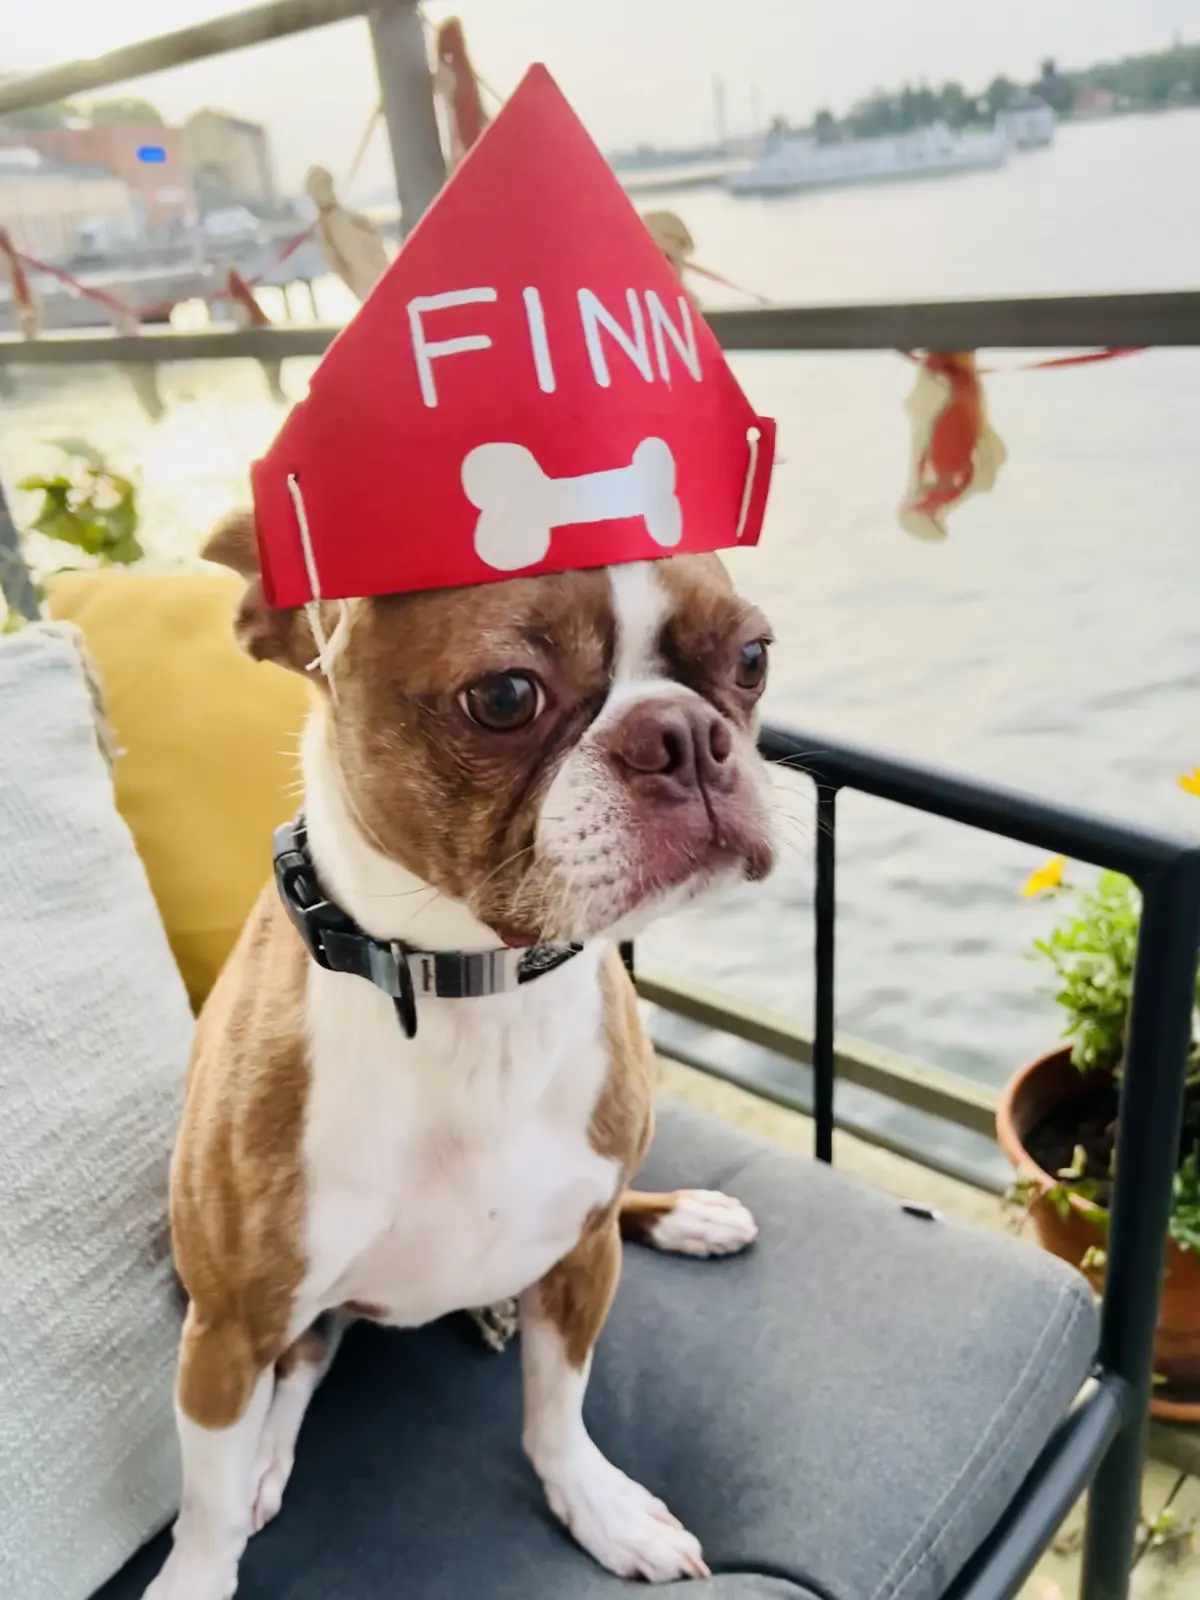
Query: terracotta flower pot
{"x": 1034, "y": 1091}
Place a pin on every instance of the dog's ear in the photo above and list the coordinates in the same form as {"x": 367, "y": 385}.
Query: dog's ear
{"x": 263, "y": 632}
{"x": 234, "y": 544}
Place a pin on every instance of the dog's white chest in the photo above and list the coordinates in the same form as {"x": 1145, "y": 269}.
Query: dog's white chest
{"x": 454, "y": 1170}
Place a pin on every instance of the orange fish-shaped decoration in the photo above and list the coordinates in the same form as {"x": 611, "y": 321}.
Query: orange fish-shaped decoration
{"x": 956, "y": 452}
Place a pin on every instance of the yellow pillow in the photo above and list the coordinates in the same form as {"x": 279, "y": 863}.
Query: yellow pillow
{"x": 209, "y": 741}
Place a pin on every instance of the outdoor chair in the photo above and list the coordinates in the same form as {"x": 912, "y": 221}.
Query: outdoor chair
{"x": 873, "y": 1403}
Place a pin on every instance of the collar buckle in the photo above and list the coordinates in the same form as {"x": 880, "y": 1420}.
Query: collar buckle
{"x": 337, "y": 943}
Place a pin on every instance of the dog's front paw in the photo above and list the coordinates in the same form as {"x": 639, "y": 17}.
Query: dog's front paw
{"x": 704, "y": 1222}
{"x": 621, "y": 1524}
{"x": 188, "y": 1576}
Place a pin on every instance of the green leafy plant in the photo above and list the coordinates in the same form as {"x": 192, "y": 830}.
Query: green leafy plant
{"x": 1092, "y": 954}
{"x": 1185, "y": 1204}
{"x": 88, "y": 505}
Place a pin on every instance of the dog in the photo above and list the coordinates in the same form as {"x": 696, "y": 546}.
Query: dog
{"x": 536, "y": 767}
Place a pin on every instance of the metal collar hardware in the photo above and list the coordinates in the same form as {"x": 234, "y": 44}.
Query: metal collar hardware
{"x": 335, "y": 941}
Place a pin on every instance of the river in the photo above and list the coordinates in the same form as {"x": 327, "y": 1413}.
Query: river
{"x": 1052, "y": 644}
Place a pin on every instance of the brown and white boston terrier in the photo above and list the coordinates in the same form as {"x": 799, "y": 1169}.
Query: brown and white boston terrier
{"x": 499, "y": 782}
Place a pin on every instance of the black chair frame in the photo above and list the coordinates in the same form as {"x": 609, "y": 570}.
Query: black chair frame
{"x": 1100, "y": 1446}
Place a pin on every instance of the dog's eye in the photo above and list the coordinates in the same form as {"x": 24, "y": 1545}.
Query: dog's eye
{"x": 752, "y": 665}
{"x": 503, "y": 702}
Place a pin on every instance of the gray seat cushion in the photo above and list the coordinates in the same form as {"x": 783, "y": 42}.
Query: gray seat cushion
{"x": 842, "y": 1413}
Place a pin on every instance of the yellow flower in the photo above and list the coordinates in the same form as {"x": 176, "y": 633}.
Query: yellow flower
{"x": 1190, "y": 782}
{"x": 1045, "y": 878}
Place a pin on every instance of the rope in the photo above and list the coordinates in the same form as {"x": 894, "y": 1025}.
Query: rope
{"x": 727, "y": 283}
{"x": 1086, "y": 358}
{"x": 327, "y": 648}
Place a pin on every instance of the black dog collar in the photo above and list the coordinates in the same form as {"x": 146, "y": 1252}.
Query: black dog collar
{"x": 335, "y": 941}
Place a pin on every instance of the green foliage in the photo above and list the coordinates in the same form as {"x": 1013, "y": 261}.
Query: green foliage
{"x": 1185, "y": 1205}
{"x": 88, "y": 506}
{"x": 129, "y": 108}
{"x": 1145, "y": 81}
{"x": 1092, "y": 952}
{"x": 914, "y": 106}
{"x": 998, "y": 93}
{"x": 64, "y": 113}
{"x": 55, "y": 115}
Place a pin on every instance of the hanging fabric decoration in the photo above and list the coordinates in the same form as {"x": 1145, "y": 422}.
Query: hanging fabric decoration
{"x": 670, "y": 234}
{"x": 247, "y": 313}
{"x": 458, "y": 86}
{"x": 955, "y": 450}
{"x": 25, "y": 306}
{"x": 351, "y": 243}
{"x": 143, "y": 378}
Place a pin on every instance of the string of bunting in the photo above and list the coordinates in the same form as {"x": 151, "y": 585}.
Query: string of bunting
{"x": 1085, "y": 358}
{"x": 954, "y": 453}
{"x": 129, "y": 320}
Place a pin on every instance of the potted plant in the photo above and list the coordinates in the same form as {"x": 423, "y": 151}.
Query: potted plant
{"x": 1057, "y": 1120}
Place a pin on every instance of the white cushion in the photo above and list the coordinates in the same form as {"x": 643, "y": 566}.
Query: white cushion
{"x": 94, "y": 1035}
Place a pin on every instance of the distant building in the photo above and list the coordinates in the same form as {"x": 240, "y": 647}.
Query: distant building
{"x": 230, "y": 160}
{"x": 148, "y": 158}
{"x": 49, "y": 208}
{"x": 1094, "y": 101}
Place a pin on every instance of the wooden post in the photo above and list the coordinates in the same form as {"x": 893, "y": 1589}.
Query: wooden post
{"x": 406, "y": 85}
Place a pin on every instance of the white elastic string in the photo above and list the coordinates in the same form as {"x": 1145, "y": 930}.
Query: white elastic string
{"x": 327, "y": 648}
{"x": 753, "y": 435}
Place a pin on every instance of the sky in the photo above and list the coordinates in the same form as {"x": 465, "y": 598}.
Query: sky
{"x": 633, "y": 69}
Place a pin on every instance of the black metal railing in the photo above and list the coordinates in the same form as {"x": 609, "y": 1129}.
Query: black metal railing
{"x": 1104, "y": 1441}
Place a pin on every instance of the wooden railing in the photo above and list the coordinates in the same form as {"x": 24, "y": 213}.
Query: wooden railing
{"x": 1054, "y": 322}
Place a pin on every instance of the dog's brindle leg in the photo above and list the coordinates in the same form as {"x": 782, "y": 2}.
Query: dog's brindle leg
{"x": 222, "y": 1400}
{"x": 687, "y": 1222}
{"x": 617, "y": 1521}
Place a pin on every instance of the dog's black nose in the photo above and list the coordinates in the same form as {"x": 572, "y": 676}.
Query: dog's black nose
{"x": 672, "y": 747}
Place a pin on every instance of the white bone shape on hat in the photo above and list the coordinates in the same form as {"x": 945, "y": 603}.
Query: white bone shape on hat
{"x": 519, "y": 506}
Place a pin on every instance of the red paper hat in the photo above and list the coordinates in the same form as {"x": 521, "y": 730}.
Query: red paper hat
{"x": 526, "y": 390}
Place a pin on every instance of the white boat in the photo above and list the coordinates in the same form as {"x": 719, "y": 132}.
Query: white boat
{"x": 800, "y": 161}
{"x": 1027, "y": 122}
